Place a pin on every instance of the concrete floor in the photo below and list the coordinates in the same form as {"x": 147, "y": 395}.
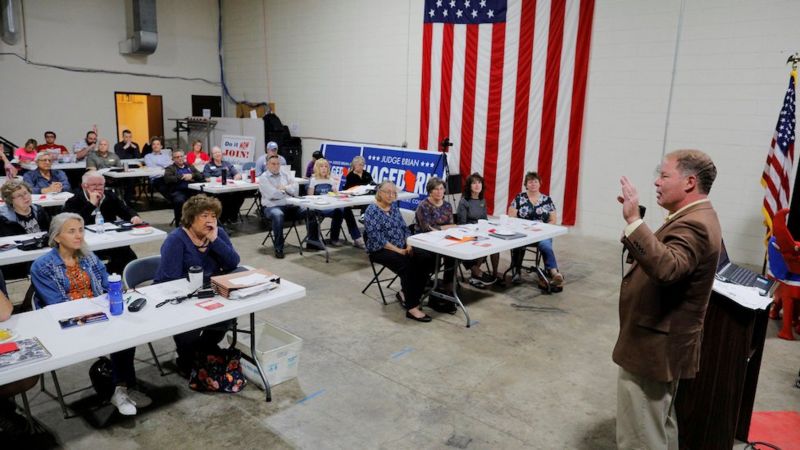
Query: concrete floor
{"x": 369, "y": 378}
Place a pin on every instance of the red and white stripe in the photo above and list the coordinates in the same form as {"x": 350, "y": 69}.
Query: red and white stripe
{"x": 511, "y": 96}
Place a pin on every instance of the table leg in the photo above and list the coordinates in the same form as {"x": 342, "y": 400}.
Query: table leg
{"x": 452, "y": 298}
{"x": 255, "y": 359}
{"x": 321, "y": 242}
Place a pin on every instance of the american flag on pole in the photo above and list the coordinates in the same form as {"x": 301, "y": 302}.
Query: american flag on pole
{"x": 780, "y": 158}
{"x": 505, "y": 80}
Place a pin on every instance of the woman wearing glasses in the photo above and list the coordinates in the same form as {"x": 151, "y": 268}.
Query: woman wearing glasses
{"x": 71, "y": 272}
{"x": 386, "y": 233}
{"x": 197, "y": 242}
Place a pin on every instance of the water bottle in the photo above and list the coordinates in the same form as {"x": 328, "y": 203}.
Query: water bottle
{"x": 99, "y": 221}
{"x": 224, "y": 176}
{"x": 115, "y": 294}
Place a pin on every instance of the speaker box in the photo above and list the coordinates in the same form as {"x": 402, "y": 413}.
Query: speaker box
{"x": 454, "y": 184}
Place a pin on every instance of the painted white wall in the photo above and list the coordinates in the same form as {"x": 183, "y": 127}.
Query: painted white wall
{"x": 85, "y": 34}
{"x": 350, "y": 71}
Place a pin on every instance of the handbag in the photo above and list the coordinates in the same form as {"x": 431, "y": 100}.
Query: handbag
{"x": 218, "y": 371}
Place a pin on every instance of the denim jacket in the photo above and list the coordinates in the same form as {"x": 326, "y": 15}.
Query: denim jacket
{"x": 39, "y": 182}
{"x": 49, "y": 277}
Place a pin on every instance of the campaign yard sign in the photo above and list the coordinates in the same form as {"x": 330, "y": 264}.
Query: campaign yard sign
{"x": 238, "y": 149}
{"x": 410, "y": 170}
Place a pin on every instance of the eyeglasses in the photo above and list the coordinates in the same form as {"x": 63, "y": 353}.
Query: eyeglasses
{"x": 390, "y": 192}
{"x": 20, "y": 195}
{"x": 173, "y": 300}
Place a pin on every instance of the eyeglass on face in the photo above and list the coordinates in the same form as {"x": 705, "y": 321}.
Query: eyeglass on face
{"x": 391, "y": 192}
{"x": 23, "y": 194}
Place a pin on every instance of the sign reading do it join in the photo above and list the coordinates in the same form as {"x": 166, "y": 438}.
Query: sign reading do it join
{"x": 410, "y": 170}
{"x": 238, "y": 149}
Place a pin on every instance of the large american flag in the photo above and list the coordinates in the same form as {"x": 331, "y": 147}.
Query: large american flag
{"x": 780, "y": 158}
{"x": 505, "y": 80}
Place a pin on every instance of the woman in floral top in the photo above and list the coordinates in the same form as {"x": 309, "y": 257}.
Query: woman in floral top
{"x": 386, "y": 233}
{"x": 533, "y": 205}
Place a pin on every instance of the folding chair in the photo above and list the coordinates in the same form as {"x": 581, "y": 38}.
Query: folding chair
{"x": 268, "y": 223}
{"x": 536, "y": 265}
{"x": 137, "y": 272}
{"x": 376, "y": 276}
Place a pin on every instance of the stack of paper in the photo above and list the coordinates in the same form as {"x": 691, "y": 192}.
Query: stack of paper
{"x": 226, "y": 285}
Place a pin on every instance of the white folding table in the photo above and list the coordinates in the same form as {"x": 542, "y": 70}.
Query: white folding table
{"x": 437, "y": 242}
{"x": 319, "y": 203}
{"x": 95, "y": 241}
{"x": 73, "y": 345}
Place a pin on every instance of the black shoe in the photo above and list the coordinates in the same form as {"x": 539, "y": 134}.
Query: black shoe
{"x": 444, "y": 307}
{"x": 426, "y": 318}
{"x": 279, "y": 254}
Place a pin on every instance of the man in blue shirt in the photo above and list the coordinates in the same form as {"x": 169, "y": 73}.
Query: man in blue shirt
{"x": 272, "y": 150}
{"x": 44, "y": 180}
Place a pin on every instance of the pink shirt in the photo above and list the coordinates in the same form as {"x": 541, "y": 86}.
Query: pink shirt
{"x": 24, "y": 155}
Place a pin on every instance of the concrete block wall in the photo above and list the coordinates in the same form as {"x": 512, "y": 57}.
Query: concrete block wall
{"x": 85, "y": 35}
{"x": 350, "y": 71}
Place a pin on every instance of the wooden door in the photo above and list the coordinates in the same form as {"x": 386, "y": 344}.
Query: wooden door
{"x": 155, "y": 116}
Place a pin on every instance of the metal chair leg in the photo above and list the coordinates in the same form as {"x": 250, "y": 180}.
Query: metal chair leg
{"x": 155, "y": 358}
{"x": 60, "y": 395}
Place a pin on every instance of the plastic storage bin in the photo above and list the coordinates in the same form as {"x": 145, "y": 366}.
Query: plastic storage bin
{"x": 277, "y": 350}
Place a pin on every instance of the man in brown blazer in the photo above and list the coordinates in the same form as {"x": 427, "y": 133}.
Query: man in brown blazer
{"x": 663, "y": 298}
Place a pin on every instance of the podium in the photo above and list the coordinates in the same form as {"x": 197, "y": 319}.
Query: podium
{"x": 716, "y": 406}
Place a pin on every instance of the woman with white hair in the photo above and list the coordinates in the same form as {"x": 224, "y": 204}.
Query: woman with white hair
{"x": 69, "y": 271}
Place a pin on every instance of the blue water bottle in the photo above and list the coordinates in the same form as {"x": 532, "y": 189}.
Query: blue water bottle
{"x": 115, "y": 294}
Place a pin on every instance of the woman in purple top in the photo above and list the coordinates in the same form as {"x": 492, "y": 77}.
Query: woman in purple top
{"x": 198, "y": 241}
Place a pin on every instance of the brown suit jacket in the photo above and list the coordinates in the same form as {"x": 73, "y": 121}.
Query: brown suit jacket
{"x": 664, "y": 295}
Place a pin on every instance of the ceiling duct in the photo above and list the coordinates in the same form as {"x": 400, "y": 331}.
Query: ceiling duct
{"x": 143, "y": 37}
{"x": 9, "y": 11}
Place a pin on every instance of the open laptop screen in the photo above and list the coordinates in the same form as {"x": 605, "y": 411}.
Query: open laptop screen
{"x": 724, "y": 260}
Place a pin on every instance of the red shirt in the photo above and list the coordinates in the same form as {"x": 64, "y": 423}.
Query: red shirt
{"x": 192, "y": 157}
{"x": 61, "y": 149}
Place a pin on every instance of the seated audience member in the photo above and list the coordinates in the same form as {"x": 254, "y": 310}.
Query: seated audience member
{"x": 275, "y": 186}
{"x": 127, "y": 149}
{"x": 88, "y": 144}
{"x": 157, "y": 158}
{"x": 198, "y": 241}
{"x": 45, "y": 180}
{"x": 26, "y": 156}
{"x": 20, "y": 216}
{"x": 50, "y": 146}
{"x": 231, "y": 202}
{"x": 270, "y": 150}
{"x": 71, "y": 272}
{"x": 102, "y": 158}
{"x": 322, "y": 183}
{"x": 357, "y": 176}
{"x": 196, "y": 156}
{"x": 93, "y": 199}
{"x": 177, "y": 177}
{"x": 386, "y": 233}
{"x": 434, "y": 213}
{"x": 310, "y": 166}
{"x": 531, "y": 204}
{"x": 6, "y": 167}
{"x": 12, "y": 425}
{"x": 471, "y": 208}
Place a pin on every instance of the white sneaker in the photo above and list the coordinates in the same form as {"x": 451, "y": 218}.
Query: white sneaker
{"x": 124, "y": 404}
{"x": 359, "y": 243}
{"x": 139, "y": 398}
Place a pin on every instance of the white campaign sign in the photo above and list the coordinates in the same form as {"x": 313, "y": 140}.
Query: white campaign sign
{"x": 238, "y": 149}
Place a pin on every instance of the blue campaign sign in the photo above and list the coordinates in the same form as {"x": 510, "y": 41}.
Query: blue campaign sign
{"x": 408, "y": 169}
{"x": 340, "y": 156}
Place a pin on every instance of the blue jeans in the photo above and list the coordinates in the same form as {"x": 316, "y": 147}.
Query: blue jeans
{"x": 545, "y": 248}
{"x": 277, "y": 214}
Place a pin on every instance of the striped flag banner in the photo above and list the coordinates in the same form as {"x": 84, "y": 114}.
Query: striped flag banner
{"x": 780, "y": 159}
{"x": 505, "y": 81}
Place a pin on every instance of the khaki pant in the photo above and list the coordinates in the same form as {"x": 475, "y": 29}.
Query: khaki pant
{"x": 645, "y": 413}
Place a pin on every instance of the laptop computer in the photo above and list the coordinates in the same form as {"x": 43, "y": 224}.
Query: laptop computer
{"x": 729, "y": 272}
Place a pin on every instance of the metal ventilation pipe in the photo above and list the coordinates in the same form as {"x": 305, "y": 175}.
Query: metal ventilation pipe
{"x": 9, "y": 27}
{"x": 143, "y": 38}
